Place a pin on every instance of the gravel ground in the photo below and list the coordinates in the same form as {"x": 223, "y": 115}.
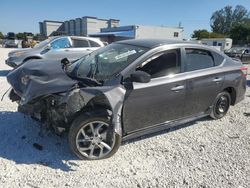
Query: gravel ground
{"x": 204, "y": 153}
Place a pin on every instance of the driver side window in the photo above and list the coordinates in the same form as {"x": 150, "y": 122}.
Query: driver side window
{"x": 60, "y": 43}
{"x": 163, "y": 64}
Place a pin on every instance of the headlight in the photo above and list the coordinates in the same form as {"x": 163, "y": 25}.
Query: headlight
{"x": 25, "y": 79}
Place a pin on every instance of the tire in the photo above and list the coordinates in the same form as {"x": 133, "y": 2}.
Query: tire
{"x": 98, "y": 142}
{"x": 221, "y": 105}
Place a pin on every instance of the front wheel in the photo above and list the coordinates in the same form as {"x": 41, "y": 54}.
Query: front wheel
{"x": 93, "y": 138}
{"x": 221, "y": 105}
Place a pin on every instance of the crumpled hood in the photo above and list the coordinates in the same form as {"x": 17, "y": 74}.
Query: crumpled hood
{"x": 39, "y": 77}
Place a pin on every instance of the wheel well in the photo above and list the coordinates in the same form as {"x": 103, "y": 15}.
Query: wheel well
{"x": 97, "y": 104}
{"x": 232, "y": 93}
{"x": 32, "y": 57}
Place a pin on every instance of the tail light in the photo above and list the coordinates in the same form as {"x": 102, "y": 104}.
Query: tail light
{"x": 244, "y": 71}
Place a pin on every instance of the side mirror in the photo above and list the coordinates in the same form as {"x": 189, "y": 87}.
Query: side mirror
{"x": 65, "y": 63}
{"x": 45, "y": 49}
{"x": 140, "y": 76}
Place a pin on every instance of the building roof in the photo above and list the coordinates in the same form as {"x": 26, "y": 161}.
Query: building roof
{"x": 212, "y": 39}
{"x": 151, "y": 43}
{"x": 52, "y": 21}
{"x": 100, "y": 18}
{"x": 129, "y": 34}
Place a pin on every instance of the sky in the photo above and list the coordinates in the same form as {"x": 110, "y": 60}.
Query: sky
{"x": 24, "y": 15}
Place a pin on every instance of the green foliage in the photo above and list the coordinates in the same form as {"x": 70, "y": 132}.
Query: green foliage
{"x": 216, "y": 35}
{"x": 223, "y": 20}
{"x": 241, "y": 34}
{"x": 200, "y": 34}
{"x": 203, "y": 33}
{"x": 1, "y": 35}
{"x": 21, "y": 36}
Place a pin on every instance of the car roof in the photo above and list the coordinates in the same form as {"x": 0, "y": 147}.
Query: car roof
{"x": 78, "y": 37}
{"x": 152, "y": 43}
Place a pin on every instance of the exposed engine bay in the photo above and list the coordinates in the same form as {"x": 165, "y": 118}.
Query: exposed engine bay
{"x": 48, "y": 94}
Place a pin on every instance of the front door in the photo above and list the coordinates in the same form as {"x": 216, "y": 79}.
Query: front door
{"x": 59, "y": 49}
{"x": 160, "y": 100}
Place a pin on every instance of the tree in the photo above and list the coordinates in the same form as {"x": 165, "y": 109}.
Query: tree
{"x": 21, "y": 36}
{"x": 200, "y": 34}
{"x": 241, "y": 34}
{"x": 223, "y": 20}
{"x": 203, "y": 33}
{"x": 1, "y": 35}
{"x": 216, "y": 35}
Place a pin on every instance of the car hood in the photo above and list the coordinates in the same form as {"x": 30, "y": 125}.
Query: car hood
{"x": 20, "y": 50}
{"x": 25, "y": 52}
{"x": 38, "y": 78}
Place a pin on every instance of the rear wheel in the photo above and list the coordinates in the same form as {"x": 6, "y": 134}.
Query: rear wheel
{"x": 221, "y": 105}
{"x": 93, "y": 138}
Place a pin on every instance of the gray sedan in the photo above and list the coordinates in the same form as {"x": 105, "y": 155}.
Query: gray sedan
{"x": 128, "y": 89}
{"x": 55, "y": 48}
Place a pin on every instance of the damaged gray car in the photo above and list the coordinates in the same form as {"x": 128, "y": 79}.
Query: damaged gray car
{"x": 127, "y": 89}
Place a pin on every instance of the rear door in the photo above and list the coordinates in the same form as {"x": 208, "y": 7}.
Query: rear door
{"x": 160, "y": 100}
{"x": 204, "y": 79}
{"x": 80, "y": 47}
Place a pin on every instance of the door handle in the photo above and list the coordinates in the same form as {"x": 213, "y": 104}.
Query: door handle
{"x": 178, "y": 88}
{"x": 66, "y": 50}
{"x": 217, "y": 79}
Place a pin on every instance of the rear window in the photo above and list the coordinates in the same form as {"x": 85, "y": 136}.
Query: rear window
{"x": 218, "y": 59}
{"x": 198, "y": 59}
{"x": 80, "y": 43}
{"x": 94, "y": 44}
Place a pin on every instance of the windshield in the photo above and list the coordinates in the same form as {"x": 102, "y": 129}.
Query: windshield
{"x": 236, "y": 50}
{"x": 107, "y": 61}
{"x": 43, "y": 43}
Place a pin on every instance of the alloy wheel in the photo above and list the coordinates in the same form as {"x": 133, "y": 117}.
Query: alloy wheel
{"x": 93, "y": 140}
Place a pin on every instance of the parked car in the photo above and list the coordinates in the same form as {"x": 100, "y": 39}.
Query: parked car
{"x": 241, "y": 53}
{"x": 10, "y": 43}
{"x": 127, "y": 89}
{"x": 11, "y": 40}
{"x": 55, "y": 48}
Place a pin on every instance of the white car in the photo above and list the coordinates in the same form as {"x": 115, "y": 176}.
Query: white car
{"x": 56, "y": 48}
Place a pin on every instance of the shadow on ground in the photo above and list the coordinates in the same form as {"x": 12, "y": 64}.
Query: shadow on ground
{"x": 4, "y": 73}
{"x": 19, "y": 134}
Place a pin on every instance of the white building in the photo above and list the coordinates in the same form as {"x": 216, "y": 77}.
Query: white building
{"x": 48, "y": 26}
{"x": 112, "y": 34}
{"x": 219, "y": 43}
{"x": 80, "y": 26}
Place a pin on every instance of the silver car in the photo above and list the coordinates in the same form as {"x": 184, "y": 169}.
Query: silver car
{"x": 55, "y": 48}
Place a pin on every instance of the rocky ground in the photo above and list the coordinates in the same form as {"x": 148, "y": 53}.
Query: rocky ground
{"x": 204, "y": 153}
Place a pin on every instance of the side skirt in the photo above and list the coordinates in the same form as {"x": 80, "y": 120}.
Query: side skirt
{"x": 160, "y": 127}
